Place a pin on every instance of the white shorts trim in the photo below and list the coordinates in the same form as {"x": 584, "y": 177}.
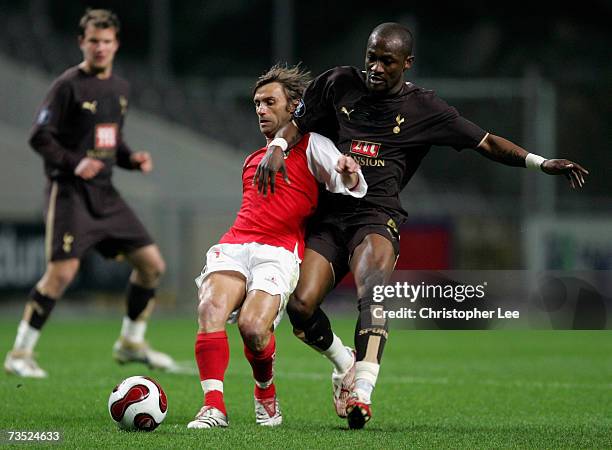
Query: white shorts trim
{"x": 267, "y": 268}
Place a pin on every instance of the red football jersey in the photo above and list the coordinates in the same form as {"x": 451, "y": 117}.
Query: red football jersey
{"x": 279, "y": 219}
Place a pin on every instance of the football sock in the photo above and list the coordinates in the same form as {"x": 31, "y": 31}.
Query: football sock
{"x": 212, "y": 357}
{"x": 39, "y": 309}
{"x": 133, "y": 331}
{"x": 26, "y": 339}
{"x": 138, "y": 298}
{"x": 366, "y": 374}
{"x": 315, "y": 331}
{"x": 339, "y": 356}
{"x": 370, "y": 332}
{"x": 36, "y": 313}
{"x": 262, "y": 363}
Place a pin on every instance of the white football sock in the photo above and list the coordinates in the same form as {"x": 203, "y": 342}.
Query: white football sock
{"x": 366, "y": 374}
{"x": 27, "y": 337}
{"x": 338, "y": 355}
{"x": 212, "y": 385}
{"x": 133, "y": 330}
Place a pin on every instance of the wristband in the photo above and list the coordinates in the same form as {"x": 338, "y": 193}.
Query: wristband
{"x": 280, "y": 142}
{"x": 533, "y": 161}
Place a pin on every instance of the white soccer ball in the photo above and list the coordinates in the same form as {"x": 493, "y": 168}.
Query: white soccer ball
{"x": 138, "y": 403}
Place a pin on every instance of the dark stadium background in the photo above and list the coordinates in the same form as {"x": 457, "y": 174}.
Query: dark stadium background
{"x": 538, "y": 73}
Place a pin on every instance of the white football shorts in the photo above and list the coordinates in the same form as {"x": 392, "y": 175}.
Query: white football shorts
{"x": 271, "y": 269}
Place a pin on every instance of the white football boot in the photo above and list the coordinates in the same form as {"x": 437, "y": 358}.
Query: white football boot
{"x": 209, "y": 417}
{"x": 267, "y": 412}
{"x": 342, "y": 386}
{"x": 23, "y": 364}
{"x": 125, "y": 351}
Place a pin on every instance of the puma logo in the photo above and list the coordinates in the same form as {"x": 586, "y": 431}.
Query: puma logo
{"x": 347, "y": 112}
{"x": 90, "y": 106}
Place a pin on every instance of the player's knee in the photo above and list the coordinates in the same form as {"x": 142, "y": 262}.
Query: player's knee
{"x": 160, "y": 267}
{"x": 58, "y": 280}
{"x": 62, "y": 280}
{"x": 152, "y": 272}
{"x": 157, "y": 269}
{"x": 255, "y": 333}
{"x": 299, "y": 309}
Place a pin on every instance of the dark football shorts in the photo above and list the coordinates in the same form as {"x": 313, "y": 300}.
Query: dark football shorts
{"x": 336, "y": 241}
{"x": 78, "y": 219}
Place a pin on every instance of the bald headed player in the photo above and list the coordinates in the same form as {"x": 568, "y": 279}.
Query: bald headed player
{"x": 78, "y": 133}
{"x": 388, "y": 126}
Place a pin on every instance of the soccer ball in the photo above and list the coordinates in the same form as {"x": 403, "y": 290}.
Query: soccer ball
{"x": 138, "y": 403}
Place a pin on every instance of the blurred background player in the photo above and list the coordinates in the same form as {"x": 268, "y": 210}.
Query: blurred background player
{"x": 78, "y": 132}
{"x": 389, "y": 126}
{"x": 251, "y": 272}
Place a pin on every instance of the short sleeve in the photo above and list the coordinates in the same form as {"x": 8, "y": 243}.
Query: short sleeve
{"x": 316, "y": 108}
{"x": 445, "y": 126}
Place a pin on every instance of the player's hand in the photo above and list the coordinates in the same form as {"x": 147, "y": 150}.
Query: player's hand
{"x": 143, "y": 161}
{"x": 348, "y": 168}
{"x": 88, "y": 168}
{"x": 347, "y": 165}
{"x": 272, "y": 163}
{"x": 574, "y": 172}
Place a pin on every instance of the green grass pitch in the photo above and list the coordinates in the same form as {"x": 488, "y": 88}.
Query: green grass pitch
{"x": 437, "y": 389}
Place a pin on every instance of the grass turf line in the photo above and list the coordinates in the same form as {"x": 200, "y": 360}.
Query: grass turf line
{"x": 437, "y": 389}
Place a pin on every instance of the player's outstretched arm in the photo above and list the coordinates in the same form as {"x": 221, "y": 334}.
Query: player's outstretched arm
{"x": 506, "y": 152}
{"x": 274, "y": 159}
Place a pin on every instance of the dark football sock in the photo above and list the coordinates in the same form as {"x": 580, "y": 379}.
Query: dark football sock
{"x": 137, "y": 299}
{"x": 370, "y": 332}
{"x": 315, "y": 331}
{"x": 42, "y": 306}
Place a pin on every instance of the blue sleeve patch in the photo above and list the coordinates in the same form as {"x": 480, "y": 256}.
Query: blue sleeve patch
{"x": 300, "y": 110}
{"x": 44, "y": 116}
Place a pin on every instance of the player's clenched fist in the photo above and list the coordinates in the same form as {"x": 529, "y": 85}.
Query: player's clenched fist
{"x": 348, "y": 168}
{"x": 347, "y": 164}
